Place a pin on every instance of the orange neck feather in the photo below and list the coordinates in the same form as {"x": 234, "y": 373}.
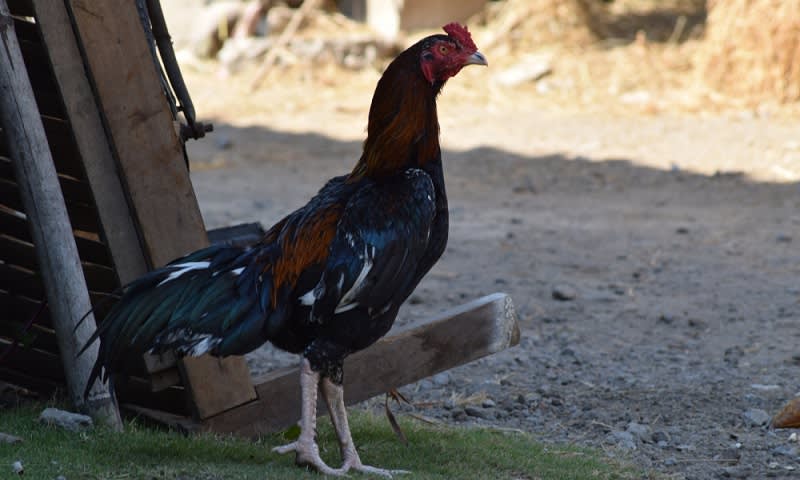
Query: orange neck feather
{"x": 403, "y": 128}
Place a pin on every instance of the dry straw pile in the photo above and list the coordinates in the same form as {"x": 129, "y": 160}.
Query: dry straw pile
{"x": 751, "y": 52}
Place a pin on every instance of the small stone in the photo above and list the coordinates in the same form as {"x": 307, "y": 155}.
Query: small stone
{"x": 660, "y": 436}
{"x": 564, "y": 292}
{"x": 684, "y": 447}
{"x": 60, "y": 477}
{"x": 10, "y": 439}
{"x": 70, "y": 421}
{"x": 459, "y": 414}
{"x": 441, "y": 379}
{"x": 222, "y": 142}
{"x": 488, "y": 403}
{"x": 641, "y": 432}
{"x": 18, "y": 468}
{"x": 764, "y": 388}
{"x": 696, "y": 323}
{"x": 622, "y": 439}
{"x": 556, "y": 402}
{"x": 475, "y": 412}
{"x": 666, "y": 319}
{"x": 736, "y": 472}
{"x": 755, "y": 417}
{"x": 730, "y": 456}
{"x": 786, "y": 451}
{"x": 415, "y": 300}
{"x": 783, "y": 238}
{"x": 682, "y": 230}
{"x": 670, "y": 461}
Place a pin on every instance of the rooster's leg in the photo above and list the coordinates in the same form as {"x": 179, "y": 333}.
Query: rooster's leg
{"x": 305, "y": 447}
{"x": 334, "y": 399}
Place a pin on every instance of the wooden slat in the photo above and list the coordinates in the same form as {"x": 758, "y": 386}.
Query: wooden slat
{"x": 62, "y": 144}
{"x": 74, "y": 191}
{"x": 22, "y": 8}
{"x": 45, "y": 388}
{"x": 33, "y": 362}
{"x": 230, "y": 387}
{"x": 91, "y": 141}
{"x": 16, "y": 307}
{"x": 137, "y": 391}
{"x": 474, "y": 330}
{"x": 82, "y": 217}
{"x": 37, "y": 63}
{"x": 20, "y": 282}
{"x": 26, "y": 31}
{"x": 35, "y": 336}
{"x": 89, "y": 250}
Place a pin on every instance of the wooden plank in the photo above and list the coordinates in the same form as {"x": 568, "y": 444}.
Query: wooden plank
{"x": 45, "y": 388}
{"x": 33, "y": 362}
{"x": 66, "y": 157}
{"x": 35, "y": 337}
{"x": 75, "y": 191}
{"x": 21, "y": 282}
{"x": 59, "y": 265}
{"x": 89, "y": 250}
{"x": 81, "y": 216}
{"x": 216, "y": 385}
{"x": 141, "y": 125}
{"x": 164, "y": 379}
{"x": 137, "y": 391}
{"x": 17, "y": 307}
{"x": 101, "y": 167}
{"x": 22, "y": 8}
{"x": 466, "y": 333}
{"x": 162, "y": 361}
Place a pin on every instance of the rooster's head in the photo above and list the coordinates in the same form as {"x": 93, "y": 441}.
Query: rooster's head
{"x": 443, "y": 56}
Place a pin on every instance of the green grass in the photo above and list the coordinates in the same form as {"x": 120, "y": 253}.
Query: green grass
{"x": 145, "y": 453}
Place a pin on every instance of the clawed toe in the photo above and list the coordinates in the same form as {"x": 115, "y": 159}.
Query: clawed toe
{"x": 308, "y": 456}
{"x": 379, "y": 471}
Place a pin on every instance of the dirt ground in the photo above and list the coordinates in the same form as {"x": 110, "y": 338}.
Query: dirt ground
{"x": 677, "y": 235}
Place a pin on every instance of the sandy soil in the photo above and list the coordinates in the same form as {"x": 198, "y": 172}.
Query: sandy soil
{"x": 676, "y": 234}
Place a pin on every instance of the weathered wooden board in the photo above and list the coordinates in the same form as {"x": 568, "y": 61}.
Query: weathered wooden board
{"x": 144, "y": 138}
{"x": 133, "y": 103}
{"x": 119, "y": 230}
{"x": 485, "y": 326}
{"x": 228, "y": 387}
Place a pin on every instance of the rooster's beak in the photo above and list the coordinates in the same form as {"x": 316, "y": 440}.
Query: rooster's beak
{"x": 476, "y": 58}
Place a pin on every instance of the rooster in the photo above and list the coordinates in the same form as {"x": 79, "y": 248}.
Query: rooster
{"x": 329, "y": 278}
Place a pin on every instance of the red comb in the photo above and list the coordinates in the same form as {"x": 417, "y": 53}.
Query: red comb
{"x": 461, "y": 35}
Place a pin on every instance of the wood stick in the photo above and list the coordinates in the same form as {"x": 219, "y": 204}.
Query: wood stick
{"x": 282, "y": 40}
{"x": 485, "y": 326}
{"x": 44, "y": 205}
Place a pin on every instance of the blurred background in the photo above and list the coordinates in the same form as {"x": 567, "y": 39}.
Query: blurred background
{"x": 270, "y": 62}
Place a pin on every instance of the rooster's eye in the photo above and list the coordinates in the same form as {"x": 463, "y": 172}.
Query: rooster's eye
{"x": 442, "y": 49}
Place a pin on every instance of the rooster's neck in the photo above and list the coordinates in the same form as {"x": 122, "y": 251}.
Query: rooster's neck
{"x": 403, "y": 130}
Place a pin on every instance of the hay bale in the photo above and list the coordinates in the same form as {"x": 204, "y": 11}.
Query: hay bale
{"x": 752, "y": 50}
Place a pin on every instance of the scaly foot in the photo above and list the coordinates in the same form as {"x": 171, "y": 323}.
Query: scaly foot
{"x": 307, "y": 455}
{"x": 356, "y": 465}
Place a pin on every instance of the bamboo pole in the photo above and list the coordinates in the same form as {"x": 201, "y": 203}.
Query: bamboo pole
{"x": 51, "y": 230}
